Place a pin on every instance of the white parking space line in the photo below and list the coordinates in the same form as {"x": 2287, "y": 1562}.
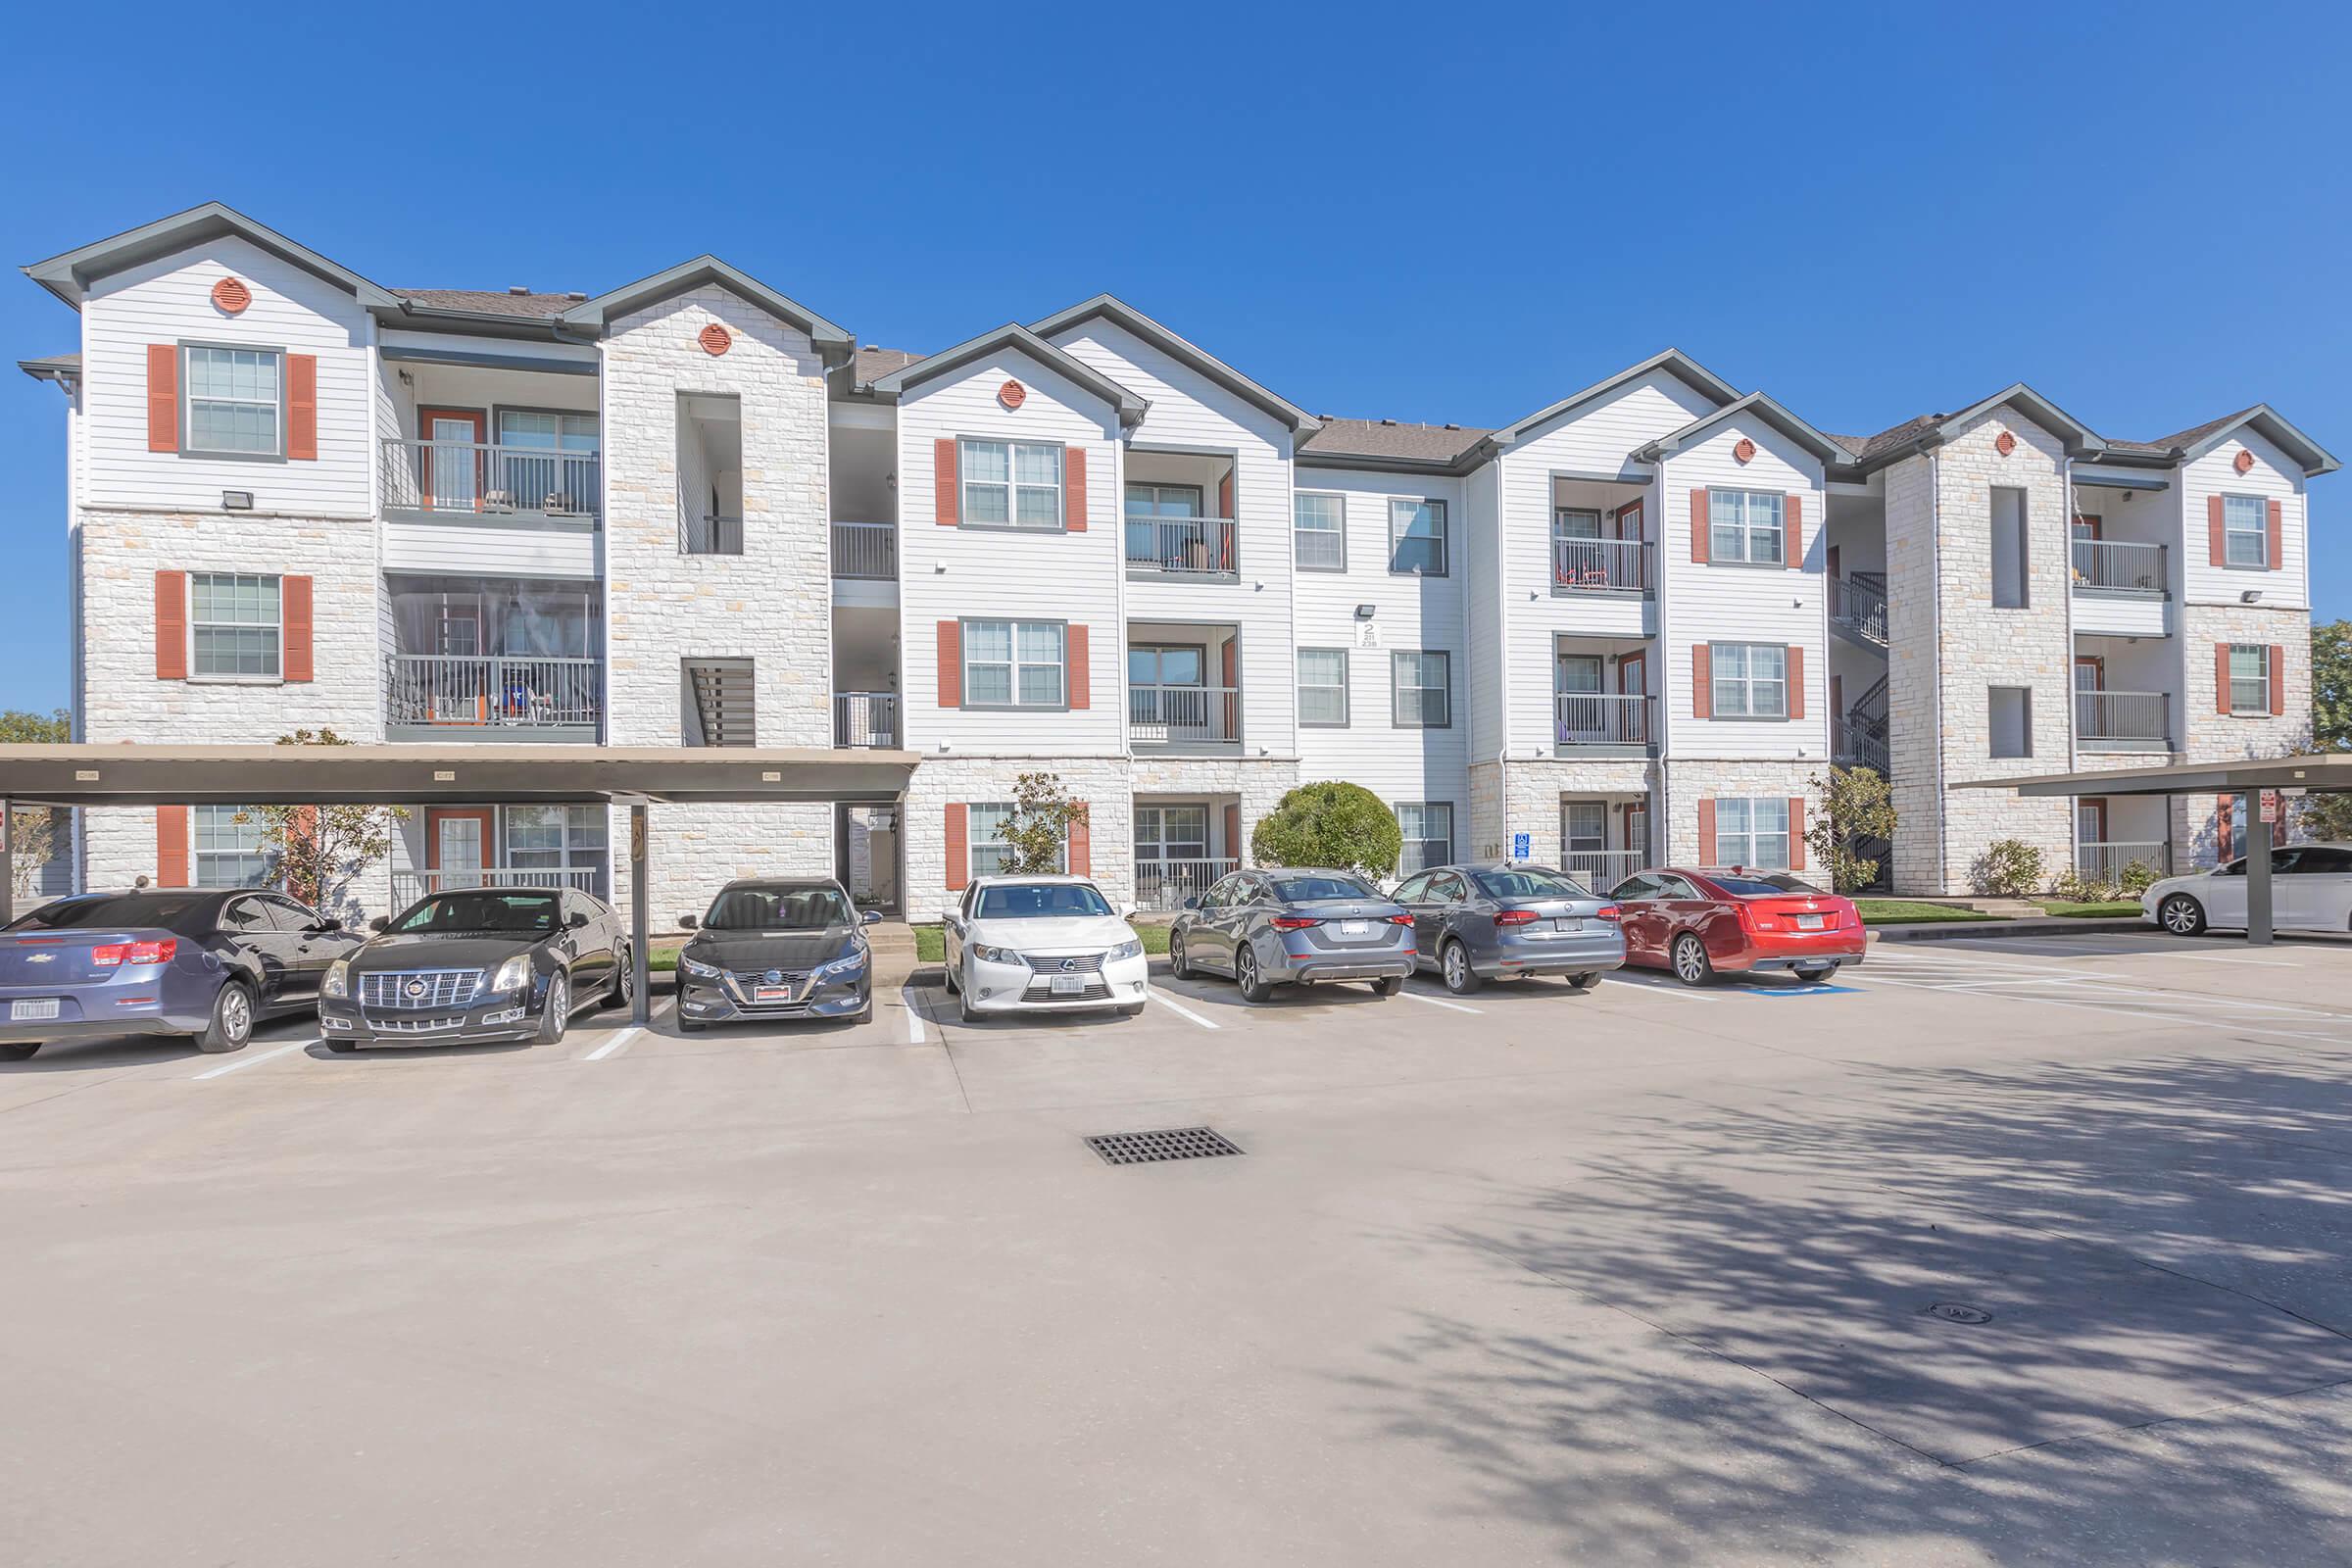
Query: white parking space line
{"x": 242, "y": 1062}
{"x": 2234, "y": 958}
{"x": 614, "y": 1044}
{"x": 914, "y": 1013}
{"x": 1434, "y": 1001}
{"x": 1656, "y": 988}
{"x": 1183, "y": 1011}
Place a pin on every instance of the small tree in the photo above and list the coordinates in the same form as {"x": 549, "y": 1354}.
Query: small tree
{"x": 1856, "y": 804}
{"x": 1034, "y": 834}
{"x": 321, "y": 849}
{"x": 2009, "y": 869}
{"x": 33, "y": 832}
{"x": 2330, "y": 817}
{"x": 1343, "y": 826}
{"x": 21, "y": 727}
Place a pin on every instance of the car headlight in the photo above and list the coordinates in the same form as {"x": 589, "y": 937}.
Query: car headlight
{"x": 338, "y": 979}
{"x": 514, "y": 974}
{"x": 696, "y": 967}
{"x": 849, "y": 964}
{"x": 988, "y": 955}
{"x": 1125, "y": 949}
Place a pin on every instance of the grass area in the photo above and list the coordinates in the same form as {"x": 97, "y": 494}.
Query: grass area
{"x": 931, "y": 943}
{"x": 2108, "y": 909}
{"x": 1908, "y": 911}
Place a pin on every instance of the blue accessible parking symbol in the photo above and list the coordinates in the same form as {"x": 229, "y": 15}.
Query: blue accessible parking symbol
{"x": 1522, "y": 846}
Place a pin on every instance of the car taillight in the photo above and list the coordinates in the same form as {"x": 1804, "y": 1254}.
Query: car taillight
{"x": 1609, "y": 912}
{"x": 1293, "y": 923}
{"x": 113, "y": 953}
{"x": 1514, "y": 916}
{"x": 1747, "y": 917}
{"x": 1400, "y": 919}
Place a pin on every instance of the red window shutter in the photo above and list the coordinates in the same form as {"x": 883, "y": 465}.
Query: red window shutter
{"x": 2278, "y": 532}
{"x": 1073, "y": 489}
{"x": 1233, "y": 833}
{"x": 1232, "y": 679}
{"x": 946, "y": 483}
{"x": 950, "y": 663}
{"x": 959, "y": 848}
{"x": 2212, "y": 531}
{"x": 172, "y": 845}
{"x": 301, "y": 407}
{"x": 1794, "y": 507}
{"x": 294, "y": 609}
{"x": 1796, "y": 832}
{"x": 1706, "y": 832}
{"x": 1225, "y": 495}
{"x": 1703, "y": 681}
{"x": 2220, "y": 677}
{"x": 1699, "y": 526}
{"x": 2277, "y": 680}
{"x": 1079, "y": 676}
{"x": 1796, "y": 682}
{"x": 1082, "y": 849}
{"x": 163, "y": 397}
{"x": 171, "y": 625}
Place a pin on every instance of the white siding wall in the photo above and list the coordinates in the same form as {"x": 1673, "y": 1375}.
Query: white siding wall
{"x": 2272, "y": 477}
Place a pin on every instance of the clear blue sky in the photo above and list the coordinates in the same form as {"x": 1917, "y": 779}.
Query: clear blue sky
{"x": 1435, "y": 213}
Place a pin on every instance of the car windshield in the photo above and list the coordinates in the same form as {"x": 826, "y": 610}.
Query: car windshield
{"x": 478, "y": 911}
{"x": 1039, "y": 900}
{"x": 1310, "y": 888}
{"x": 785, "y": 908}
{"x": 1524, "y": 883}
{"x": 1755, "y": 887}
{"x": 107, "y": 912}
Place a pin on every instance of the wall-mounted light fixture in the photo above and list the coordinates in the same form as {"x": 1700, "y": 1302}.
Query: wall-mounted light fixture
{"x": 2251, "y": 596}
{"x": 1365, "y": 612}
{"x": 236, "y": 500}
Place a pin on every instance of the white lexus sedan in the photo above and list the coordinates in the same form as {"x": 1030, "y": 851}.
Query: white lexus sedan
{"x": 1042, "y": 944}
{"x": 2311, "y": 890}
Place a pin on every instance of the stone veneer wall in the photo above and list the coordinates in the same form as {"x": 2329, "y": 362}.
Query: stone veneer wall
{"x": 1533, "y": 792}
{"x": 1104, "y": 783}
{"x": 772, "y": 603}
{"x": 2209, "y": 736}
{"x": 1696, "y": 781}
{"x": 1913, "y": 696}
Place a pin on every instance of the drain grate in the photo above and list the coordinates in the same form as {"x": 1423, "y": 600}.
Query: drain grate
{"x": 1959, "y": 1313}
{"x": 1170, "y": 1143}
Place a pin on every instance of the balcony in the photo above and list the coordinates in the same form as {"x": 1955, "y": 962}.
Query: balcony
{"x": 1602, "y": 724}
{"x": 2107, "y": 861}
{"x": 866, "y": 551}
{"x": 2123, "y": 721}
{"x": 410, "y": 885}
{"x": 1164, "y": 885}
{"x": 867, "y": 719}
{"x": 1184, "y": 718}
{"x": 1599, "y": 566}
{"x": 1858, "y": 608}
{"x": 1200, "y": 549}
{"x": 470, "y": 479}
{"x": 1601, "y": 869}
{"x": 459, "y": 697}
{"x": 2122, "y": 589}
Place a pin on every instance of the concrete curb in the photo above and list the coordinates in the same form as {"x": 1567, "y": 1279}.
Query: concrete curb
{"x": 2046, "y": 925}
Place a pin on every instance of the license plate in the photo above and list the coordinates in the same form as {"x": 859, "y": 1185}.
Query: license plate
{"x": 1808, "y": 922}
{"x": 770, "y": 994}
{"x": 1569, "y": 923}
{"x": 21, "y": 1011}
{"x": 1067, "y": 985}
{"x": 1355, "y": 928}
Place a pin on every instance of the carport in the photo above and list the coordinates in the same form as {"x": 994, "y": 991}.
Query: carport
{"x": 2313, "y": 772}
{"x": 639, "y": 776}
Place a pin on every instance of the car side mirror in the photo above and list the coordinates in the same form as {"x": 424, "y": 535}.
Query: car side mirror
{"x": 324, "y": 925}
{"x": 1192, "y": 903}
{"x": 686, "y": 922}
{"x": 382, "y": 922}
{"x": 870, "y": 917}
{"x": 579, "y": 920}
{"x": 1127, "y": 911}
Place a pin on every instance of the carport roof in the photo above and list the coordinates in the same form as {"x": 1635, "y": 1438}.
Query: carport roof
{"x": 2313, "y": 770}
{"x": 410, "y": 775}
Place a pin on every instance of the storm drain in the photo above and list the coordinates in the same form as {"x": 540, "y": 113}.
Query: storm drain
{"x": 1172, "y": 1143}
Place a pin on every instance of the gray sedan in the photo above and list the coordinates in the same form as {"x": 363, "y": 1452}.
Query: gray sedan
{"x": 1474, "y": 923}
{"x": 1293, "y": 927}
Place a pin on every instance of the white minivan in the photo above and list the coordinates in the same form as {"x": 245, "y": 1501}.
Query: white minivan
{"x": 2311, "y": 890}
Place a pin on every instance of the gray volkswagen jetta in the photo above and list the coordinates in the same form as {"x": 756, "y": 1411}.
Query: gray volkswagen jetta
{"x": 1293, "y": 927}
{"x": 1494, "y": 920}
{"x": 786, "y": 949}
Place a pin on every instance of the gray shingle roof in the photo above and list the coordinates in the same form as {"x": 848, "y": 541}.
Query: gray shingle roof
{"x": 873, "y": 364}
{"x": 1387, "y": 439}
{"x": 491, "y": 301}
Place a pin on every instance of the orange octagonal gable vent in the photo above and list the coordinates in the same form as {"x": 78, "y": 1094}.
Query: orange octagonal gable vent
{"x": 716, "y": 340}
{"x": 231, "y": 295}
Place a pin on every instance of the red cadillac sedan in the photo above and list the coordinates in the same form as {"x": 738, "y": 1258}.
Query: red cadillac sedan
{"x": 1697, "y": 923}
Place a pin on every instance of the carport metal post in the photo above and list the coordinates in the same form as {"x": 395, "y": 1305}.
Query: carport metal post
{"x": 641, "y": 1005}
{"x": 2257, "y": 868}
{"x": 8, "y": 862}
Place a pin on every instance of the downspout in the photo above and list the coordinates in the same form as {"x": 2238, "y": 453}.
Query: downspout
{"x": 2073, "y": 756}
{"x": 1944, "y": 829}
{"x": 1659, "y": 826}
{"x": 1502, "y": 662}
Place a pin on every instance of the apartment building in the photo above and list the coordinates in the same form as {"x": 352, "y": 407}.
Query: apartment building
{"x": 1639, "y": 623}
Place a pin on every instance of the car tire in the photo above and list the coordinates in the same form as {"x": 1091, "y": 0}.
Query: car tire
{"x": 231, "y": 1025}
{"x": 341, "y": 1048}
{"x": 2181, "y": 915}
{"x": 1814, "y": 974}
{"x": 1246, "y": 978}
{"x": 1582, "y": 982}
{"x": 690, "y": 1026}
{"x": 554, "y": 1015}
{"x": 1178, "y": 966}
{"x": 1388, "y": 986}
{"x": 624, "y": 978}
{"x": 963, "y": 1007}
{"x": 864, "y": 1014}
{"x": 19, "y": 1050}
{"x": 1453, "y": 966}
{"x": 1692, "y": 965}
{"x": 947, "y": 978}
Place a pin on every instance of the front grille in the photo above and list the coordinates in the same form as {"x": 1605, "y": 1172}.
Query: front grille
{"x": 415, "y": 1026}
{"x": 1174, "y": 1143}
{"x": 436, "y": 990}
{"x": 748, "y": 978}
{"x": 1042, "y": 990}
{"x": 1065, "y": 962}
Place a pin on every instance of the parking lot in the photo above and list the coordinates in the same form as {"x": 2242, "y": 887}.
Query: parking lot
{"x": 1990, "y": 1251}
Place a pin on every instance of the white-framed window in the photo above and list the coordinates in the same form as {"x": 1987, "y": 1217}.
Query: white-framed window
{"x": 1014, "y": 663}
{"x": 1745, "y": 526}
{"x": 234, "y": 625}
{"x": 1752, "y": 833}
{"x": 559, "y": 839}
{"x": 1319, "y": 531}
{"x": 226, "y": 846}
{"x": 1427, "y": 827}
{"x": 1417, "y": 538}
{"x": 2249, "y": 679}
{"x": 235, "y": 400}
{"x": 2245, "y": 532}
{"x": 984, "y": 821}
{"x": 1171, "y": 832}
{"x": 1422, "y": 692}
{"x": 1011, "y": 484}
{"x": 1323, "y": 687}
{"x": 1749, "y": 680}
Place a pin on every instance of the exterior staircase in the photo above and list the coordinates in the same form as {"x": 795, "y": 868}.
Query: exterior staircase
{"x": 1862, "y": 740}
{"x": 1858, "y": 608}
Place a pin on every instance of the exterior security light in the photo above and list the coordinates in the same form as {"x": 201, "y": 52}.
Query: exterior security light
{"x": 1364, "y": 611}
{"x": 2250, "y": 596}
{"x": 236, "y": 500}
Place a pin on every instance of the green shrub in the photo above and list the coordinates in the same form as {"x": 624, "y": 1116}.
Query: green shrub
{"x": 2076, "y": 888}
{"x": 2137, "y": 878}
{"x": 2009, "y": 869}
{"x": 1343, "y": 826}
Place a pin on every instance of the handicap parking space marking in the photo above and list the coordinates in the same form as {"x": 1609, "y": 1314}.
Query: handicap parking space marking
{"x": 1161, "y": 994}
{"x": 1781, "y": 993}
{"x": 244, "y": 1061}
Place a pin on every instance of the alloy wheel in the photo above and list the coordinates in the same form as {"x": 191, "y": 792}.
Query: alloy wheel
{"x": 1690, "y": 961}
{"x": 236, "y": 1016}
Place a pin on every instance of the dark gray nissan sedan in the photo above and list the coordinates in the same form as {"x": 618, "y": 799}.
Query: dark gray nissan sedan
{"x": 789, "y": 948}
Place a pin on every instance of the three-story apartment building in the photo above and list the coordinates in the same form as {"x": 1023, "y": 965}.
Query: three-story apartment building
{"x": 1638, "y": 625}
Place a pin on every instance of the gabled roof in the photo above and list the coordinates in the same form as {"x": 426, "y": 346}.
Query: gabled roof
{"x": 1013, "y": 335}
{"x": 52, "y": 367}
{"x": 1926, "y": 432}
{"x": 491, "y": 301}
{"x": 832, "y": 343}
{"x": 2186, "y": 446}
{"x": 68, "y": 276}
{"x": 1764, "y": 408}
{"x": 873, "y": 363}
{"x": 1675, "y": 361}
{"x": 1120, "y": 313}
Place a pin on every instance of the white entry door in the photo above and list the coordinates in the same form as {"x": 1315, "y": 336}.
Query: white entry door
{"x": 459, "y": 850}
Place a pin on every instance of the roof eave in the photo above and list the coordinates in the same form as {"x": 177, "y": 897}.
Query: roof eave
{"x": 1127, "y": 317}
{"x": 1673, "y": 362}
{"x": 67, "y": 275}
{"x": 2314, "y": 459}
{"x": 1129, "y": 406}
{"x": 1768, "y": 408}
{"x": 833, "y": 343}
